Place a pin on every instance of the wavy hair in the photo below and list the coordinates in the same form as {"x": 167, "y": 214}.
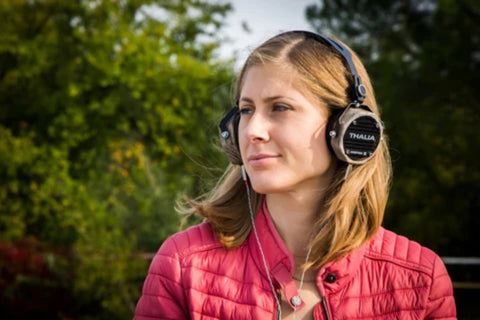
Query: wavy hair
{"x": 353, "y": 208}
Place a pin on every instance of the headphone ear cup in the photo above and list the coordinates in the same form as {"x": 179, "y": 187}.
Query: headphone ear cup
{"x": 229, "y": 136}
{"x": 355, "y": 134}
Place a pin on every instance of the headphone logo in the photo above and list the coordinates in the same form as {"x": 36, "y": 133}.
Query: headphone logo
{"x": 361, "y": 136}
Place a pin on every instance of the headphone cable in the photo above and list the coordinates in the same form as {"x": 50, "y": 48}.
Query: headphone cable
{"x": 244, "y": 176}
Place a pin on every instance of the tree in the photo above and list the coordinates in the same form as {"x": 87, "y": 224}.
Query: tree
{"x": 103, "y": 105}
{"x": 424, "y": 60}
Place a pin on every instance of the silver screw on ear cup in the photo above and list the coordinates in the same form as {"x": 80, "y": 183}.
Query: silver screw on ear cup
{"x": 362, "y": 91}
{"x": 225, "y": 134}
{"x": 332, "y": 133}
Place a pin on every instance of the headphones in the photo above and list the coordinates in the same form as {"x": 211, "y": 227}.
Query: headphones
{"x": 353, "y": 133}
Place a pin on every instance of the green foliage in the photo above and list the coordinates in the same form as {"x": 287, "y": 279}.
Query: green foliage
{"x": 103, "y": 107}
{"x": 424, "y": 60}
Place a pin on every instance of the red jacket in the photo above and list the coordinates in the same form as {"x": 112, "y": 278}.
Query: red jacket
{"x": 193, "y": 277}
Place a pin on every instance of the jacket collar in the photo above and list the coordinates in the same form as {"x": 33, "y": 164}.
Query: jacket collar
{"x": 281, "y": 265}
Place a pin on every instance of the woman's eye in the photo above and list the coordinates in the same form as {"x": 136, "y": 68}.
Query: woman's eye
{"x": 281, "y": 107}
{"x": 245, "y": 110}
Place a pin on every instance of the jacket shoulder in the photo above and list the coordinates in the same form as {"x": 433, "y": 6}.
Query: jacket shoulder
{"x": 163, "y": 294}
{"x": 389, "y": 246}
{"x": 192, "y": 240}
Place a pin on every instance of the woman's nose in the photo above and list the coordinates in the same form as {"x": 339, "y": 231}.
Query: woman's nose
{"x": 257, "y": 128}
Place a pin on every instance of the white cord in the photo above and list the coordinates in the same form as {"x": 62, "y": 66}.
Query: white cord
{"x": 301, "y": 282}
{"x": 244, "y": 175}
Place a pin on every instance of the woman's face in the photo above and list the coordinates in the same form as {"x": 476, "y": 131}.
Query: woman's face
{"x": 282, "y": 132}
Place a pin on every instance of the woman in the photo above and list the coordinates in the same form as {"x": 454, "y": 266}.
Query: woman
{"x": 293, "y": 229}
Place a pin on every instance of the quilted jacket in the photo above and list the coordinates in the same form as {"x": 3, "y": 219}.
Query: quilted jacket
{"x": 390, "y": 277}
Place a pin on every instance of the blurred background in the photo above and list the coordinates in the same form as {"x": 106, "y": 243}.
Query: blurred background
{"x": 108, "y": 114}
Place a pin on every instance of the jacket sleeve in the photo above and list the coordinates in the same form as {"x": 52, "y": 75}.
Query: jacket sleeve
{"x": 441, "y": 304}
{"x": 163, "y": 294}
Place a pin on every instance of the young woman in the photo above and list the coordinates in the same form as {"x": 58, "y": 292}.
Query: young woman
{"x": 293, "y": 229}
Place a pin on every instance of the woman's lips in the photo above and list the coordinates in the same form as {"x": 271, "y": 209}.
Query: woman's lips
{"x": 261, "y": 159}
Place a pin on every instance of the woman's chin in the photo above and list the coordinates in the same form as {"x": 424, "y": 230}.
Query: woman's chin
{"x": 266, "y": 188}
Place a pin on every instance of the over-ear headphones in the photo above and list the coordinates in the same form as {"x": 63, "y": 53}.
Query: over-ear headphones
{"x": 353, "y": 133}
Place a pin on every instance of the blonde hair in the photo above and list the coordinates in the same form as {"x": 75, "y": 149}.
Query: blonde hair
{"x": 353, "y": 208}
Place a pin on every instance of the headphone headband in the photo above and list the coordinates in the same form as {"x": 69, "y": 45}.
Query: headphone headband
{"x": 359, "y": 91}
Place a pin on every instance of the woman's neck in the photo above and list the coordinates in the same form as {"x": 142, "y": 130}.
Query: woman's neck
{"x": 294, "y": 215}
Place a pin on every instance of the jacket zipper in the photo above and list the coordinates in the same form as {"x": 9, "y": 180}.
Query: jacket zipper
{"x": 279, "y": 311}
{"x": 325, "y": 308}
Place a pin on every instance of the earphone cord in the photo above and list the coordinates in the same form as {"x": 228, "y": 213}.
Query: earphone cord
{"x": 244, "y": 176}
{"x": 301, "y": 282}
{"x": 259, "y": 245}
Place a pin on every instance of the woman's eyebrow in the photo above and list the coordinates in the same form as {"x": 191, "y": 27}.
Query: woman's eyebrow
{"x": 246, "y": 99}
{"x": 267, "y": 99}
